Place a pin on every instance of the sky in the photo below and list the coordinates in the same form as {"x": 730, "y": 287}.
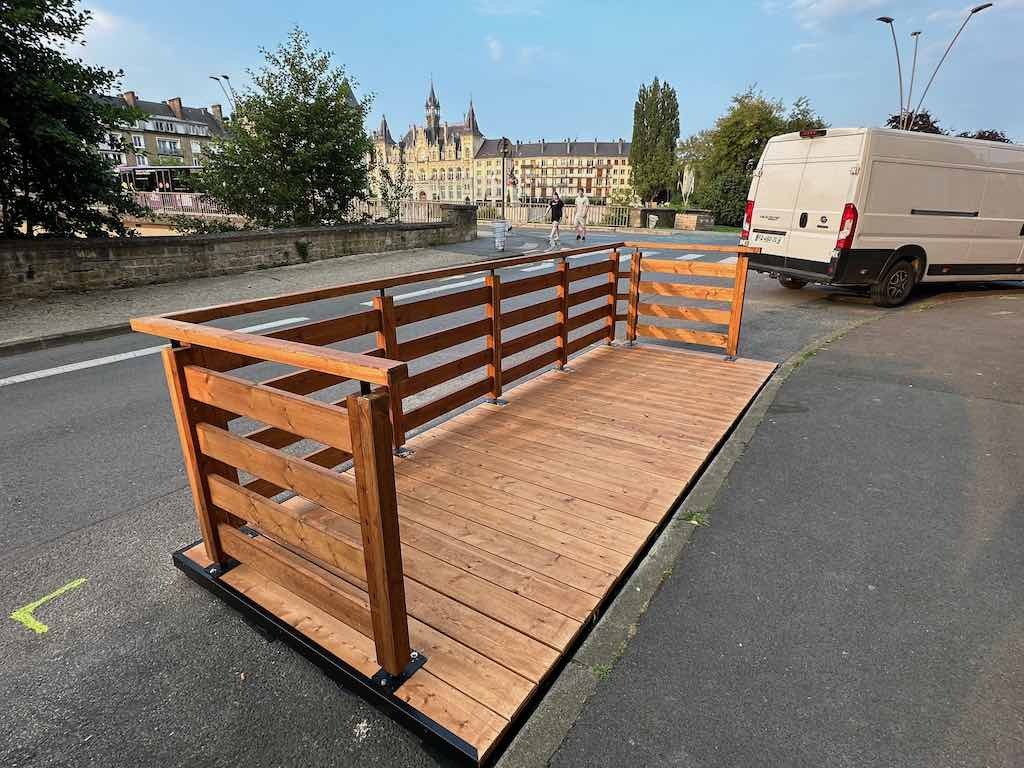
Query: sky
{"x": 555, "y": 70}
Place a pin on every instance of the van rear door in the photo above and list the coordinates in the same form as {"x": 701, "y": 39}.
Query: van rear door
{"x": 777, "y": 183}
{"x": 827, "y": 185}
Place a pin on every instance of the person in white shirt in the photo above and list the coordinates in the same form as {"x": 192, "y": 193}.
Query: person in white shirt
{"x": 582, "y": 209}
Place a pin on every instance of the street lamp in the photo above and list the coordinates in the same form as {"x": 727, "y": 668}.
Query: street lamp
{"x": 974, "y": 10}
{"x": 899, "y": 70}
{"x": 913, "y": 71}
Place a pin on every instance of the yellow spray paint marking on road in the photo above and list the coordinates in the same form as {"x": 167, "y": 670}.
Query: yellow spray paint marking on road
{"x": 24, "y": 614}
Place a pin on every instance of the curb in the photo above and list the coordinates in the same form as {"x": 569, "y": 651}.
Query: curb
{"x": 554, "y": 715}
{"x": 17, "y": 346}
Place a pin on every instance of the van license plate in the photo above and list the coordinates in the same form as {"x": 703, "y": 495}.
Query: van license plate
{"x": 768, "y": 238}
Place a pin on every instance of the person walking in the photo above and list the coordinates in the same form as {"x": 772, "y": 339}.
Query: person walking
{"x": 555, "y": 205}
{"x": 582, "y": 209}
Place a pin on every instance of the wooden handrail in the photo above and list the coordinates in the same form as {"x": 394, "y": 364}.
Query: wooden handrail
{"x": 375, "y": 370}
{"x": 696, "y": 247}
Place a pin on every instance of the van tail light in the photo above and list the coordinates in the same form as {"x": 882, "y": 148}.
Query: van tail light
{"x": 748, "y": 216}
{"x": 847, "y": 227}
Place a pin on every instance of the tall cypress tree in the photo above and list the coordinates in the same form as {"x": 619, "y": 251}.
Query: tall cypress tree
{"x": 655, "y": 134}
{"x": 52, "y": 178}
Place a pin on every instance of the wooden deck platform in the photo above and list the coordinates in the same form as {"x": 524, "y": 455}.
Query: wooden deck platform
{"x": 517, "y": 522}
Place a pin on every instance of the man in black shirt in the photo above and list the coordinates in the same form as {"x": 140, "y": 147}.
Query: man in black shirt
{"x": 555, "y": 205}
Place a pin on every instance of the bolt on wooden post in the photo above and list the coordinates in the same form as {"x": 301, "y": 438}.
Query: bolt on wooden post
{"x": 378, "y": 522}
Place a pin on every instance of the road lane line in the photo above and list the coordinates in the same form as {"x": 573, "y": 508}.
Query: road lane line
{"x": 728, "y": 260}
{"x": 538, "y": 267}
{"x": 107, "y": 360}
{"x": 24, "y": 615}
{"x": 688, "y": 257}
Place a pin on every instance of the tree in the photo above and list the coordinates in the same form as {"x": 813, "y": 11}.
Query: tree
{"x": 723, "y": 158}
{"x": 923, "y": 123}
{"x": 394, "y": 188}
{"x": 986, "y": 135}
{"x": 655, "y": 133}
{"x": 296, "y": 153}
{"x": 52, "y": 177}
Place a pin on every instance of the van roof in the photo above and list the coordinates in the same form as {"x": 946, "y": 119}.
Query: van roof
{"x": 795, "y": 136}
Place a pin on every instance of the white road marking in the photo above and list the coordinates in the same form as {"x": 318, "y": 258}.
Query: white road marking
{"x": 453, "y": 277}
{"x": 538, "y": 267}
{"x": 688, "y": 257}
{"x": 728, "y": 260}
{"x": 435, "y": 289}
{"x": 95, "y": 362}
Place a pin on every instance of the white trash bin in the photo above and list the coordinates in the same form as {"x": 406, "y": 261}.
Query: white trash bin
{"x": 652, "y": 221}
{"x": 500, "y": 230}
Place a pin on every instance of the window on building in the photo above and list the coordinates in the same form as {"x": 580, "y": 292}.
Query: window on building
{"x": 163, "y": 125}
{"x": 138, "y": 141}
{"x": 168, "y": 146}
{"x": 141, "y": 159}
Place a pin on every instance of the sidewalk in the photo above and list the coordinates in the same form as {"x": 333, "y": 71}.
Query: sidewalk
{"x": 856, "y": 599}
{"x": 29, "y": 322}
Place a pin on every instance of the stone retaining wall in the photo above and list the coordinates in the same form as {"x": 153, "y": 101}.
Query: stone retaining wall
{"x": 37, "y": 268}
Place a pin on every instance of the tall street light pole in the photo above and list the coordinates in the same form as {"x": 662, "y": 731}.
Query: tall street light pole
{"x": 899, "y": 69}
{"x": 970, "y": 15}
{"x": 913, "y": 71}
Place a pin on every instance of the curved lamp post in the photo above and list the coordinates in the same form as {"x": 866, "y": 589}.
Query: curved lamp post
{"x": 899, "y": 70}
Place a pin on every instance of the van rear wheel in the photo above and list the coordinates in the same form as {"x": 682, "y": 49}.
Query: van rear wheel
{"x": 895, "y": 286}
{"x": 792, "y": 283}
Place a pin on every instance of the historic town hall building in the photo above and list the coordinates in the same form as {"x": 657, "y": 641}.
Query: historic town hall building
{"x": 454, "y": 162}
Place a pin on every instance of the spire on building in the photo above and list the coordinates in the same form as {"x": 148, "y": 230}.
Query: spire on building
{"x": 433, "y": 106}
{"x": 383, "y": 133}
{"x": 471, "y": 124}
{"x": 432, "y": 101}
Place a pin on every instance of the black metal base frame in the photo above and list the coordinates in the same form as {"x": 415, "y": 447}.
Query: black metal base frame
{"x": 380, "y": 695}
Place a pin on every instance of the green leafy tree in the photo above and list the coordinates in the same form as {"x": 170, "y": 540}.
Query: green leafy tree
{"x": 394, "y": 187}
{"x": 296, "y": 153}
{"x": 52, "y": 177}
{"x": 923, "y": 123}
{"x": 986, "y": 134}
{"x": 655, "y": 134}
{"x": 724, "y": 157}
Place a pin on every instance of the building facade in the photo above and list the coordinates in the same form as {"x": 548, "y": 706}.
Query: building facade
{"x": 454, "y": 162}
{"x": 166, "y": 144}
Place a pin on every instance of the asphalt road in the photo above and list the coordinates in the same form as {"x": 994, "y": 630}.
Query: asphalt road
{"x": 139, "y": 666}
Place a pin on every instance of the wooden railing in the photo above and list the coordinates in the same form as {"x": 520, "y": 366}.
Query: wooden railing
{"x": 350, "y": 563}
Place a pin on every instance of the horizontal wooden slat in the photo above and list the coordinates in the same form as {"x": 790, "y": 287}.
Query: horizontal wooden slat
{"x": 532, "y": 339}
{"x": 532, "y": 312}
{"x": 589, "y": 270}
{"x": 304, "y": 381}
{"x": 624, "y": 274}
{"x": 596, "y": 292}
{"x": 705, "y": 292}
{"x": 439, "y": 407}
{"x": 314, "y": 535}
{"x": 327, "y": 488}
{"x": 531, "y": 365}
{"x": 694, "y": 314}
{"x": 514, "y": 288}
{"x": 696, "y": 247}
{"x": 299, "y": 415}
{"x": 321, "y": 588}
{"x": 322, "y": 457}
{"x": 587, "y": 339}
{"x": 590, "y": 316}
{"x": 701, "y": 268}
{"x": 442, "y": 373}
{"x": 425, "y": 345}
{"x": 322, "y": 332}
{"x": 416, "y": 311}
{"x": 707, "y": 338}
{"x": 347, "y": 364}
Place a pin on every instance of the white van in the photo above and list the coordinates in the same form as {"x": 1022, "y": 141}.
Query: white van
{"x": 885, "y": 209}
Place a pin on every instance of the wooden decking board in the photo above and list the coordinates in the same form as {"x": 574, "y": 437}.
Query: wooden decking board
{"x": 550, "y": 499}
{"x": 516, "y": 522}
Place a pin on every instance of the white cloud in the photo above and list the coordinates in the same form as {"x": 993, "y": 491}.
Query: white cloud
{"x": 495, "y": 48}
{"x": 801, "y": 47}
{"x": 509, "y": 7}
{"x": 811, "y": 14}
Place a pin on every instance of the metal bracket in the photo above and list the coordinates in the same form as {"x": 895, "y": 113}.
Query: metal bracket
{"x": 219, "y": 569}
{"x": 630, "y": 344}
{"x": 497, "y": 401}
{"x": 388, "y": 683}
{"x": 404, "y": 453}
{"x": 730, "y": 358}
{"x": 565, "y": 369}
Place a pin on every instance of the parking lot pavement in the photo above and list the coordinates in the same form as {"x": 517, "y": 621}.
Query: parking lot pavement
{"x": 856, "y": 598}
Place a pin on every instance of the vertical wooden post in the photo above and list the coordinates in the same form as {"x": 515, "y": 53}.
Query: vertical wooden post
{"x": 387, "y": 339}
{"x": 563, "y": 314}
{"x": 736, "y": 313}
{"x": 493, "y": 282}
{"x": 186, "y": 414}
{"x": 634, "y": 296}
{"x": 613, "y": 289}
{"x": 378, "y": 518}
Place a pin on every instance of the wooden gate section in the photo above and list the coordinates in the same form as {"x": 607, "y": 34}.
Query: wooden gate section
{"x": 451, "y": 581}
{"x": 721, "y": 293}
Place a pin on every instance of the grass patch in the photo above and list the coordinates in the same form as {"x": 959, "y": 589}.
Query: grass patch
{"x": 602, "y": 671}
{"x": 723, "y": 228}
{"x": 699, "y": 517}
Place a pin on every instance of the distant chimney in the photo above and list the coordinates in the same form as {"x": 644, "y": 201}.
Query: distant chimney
{"x": 620, "y": 146}
{"x": 595, "y": 146}
{"x": 175, "y": 105}
{"x": 129, "y": 97}
{"x": 218, "y": 113}
{"x": 542, "y": 146}
{"x": 568, "y": 149}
